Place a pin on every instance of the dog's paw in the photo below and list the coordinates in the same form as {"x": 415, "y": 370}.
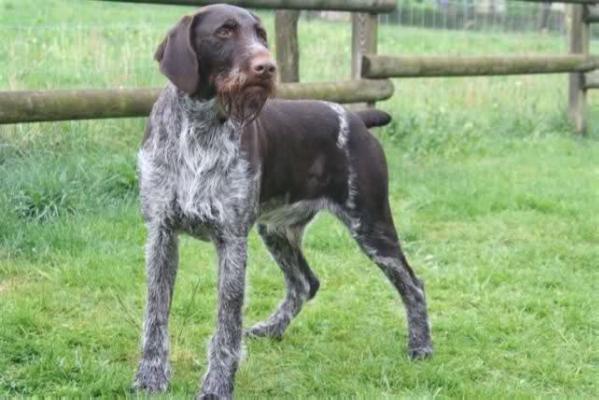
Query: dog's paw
{"x": 152, "y": 377}
{"x": 211, "y": 396}
{"x": 264, "y": 331}
{"x": 421, "y": 352}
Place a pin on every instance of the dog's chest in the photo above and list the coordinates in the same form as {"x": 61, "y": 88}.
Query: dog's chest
{"x": 214, "y": 179}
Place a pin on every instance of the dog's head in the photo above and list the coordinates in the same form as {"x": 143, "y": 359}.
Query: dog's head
{"x": 221, "y": 51}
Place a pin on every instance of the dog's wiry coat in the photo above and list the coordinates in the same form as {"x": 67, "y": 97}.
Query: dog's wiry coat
{"x": 196, "y": 176}
{"x": 194, "y": 179}
{"x": 213, "y": 175}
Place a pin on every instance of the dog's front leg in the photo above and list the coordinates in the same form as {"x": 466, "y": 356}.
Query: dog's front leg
{"x": 153, "y": 373}
{"x": 225, "y": 347}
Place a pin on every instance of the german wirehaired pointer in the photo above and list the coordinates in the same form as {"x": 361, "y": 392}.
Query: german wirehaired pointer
{"x": 218, "y": 157}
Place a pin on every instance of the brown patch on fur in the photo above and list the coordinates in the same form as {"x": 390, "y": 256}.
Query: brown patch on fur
{"x": 240, "y": 98}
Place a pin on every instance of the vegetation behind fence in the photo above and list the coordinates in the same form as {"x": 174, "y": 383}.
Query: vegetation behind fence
{"x": 503, "y": 16}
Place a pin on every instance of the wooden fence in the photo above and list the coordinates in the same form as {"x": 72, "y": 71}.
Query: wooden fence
{"x": 61, "y": 105}
{"x": 36, "y": 106}
{"x": 370, "y": 72}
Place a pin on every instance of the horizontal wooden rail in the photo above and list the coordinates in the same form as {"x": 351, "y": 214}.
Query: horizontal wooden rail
{"x": 589, "y": 2}
{"x": 592, "y": 15}
{"x": 60, "y": 105}
{"x": 350, "y": 91}
{"x": 371, "y": 6}
{"x": 591, "y": 80}
{"x": 377, "y": 67}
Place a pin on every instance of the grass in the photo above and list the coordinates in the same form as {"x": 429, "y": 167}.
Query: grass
{"x": 496, "y": 200}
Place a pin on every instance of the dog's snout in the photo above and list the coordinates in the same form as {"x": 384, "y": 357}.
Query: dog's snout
{"x": 263, "y": 66}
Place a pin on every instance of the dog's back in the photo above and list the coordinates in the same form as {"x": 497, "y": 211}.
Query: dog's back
{"x": 308, "y": 149}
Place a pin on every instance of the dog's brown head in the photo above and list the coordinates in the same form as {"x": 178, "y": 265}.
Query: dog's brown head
{"x": 221, "y": 51}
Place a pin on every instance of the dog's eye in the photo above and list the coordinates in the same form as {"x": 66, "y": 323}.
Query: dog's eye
{"x": 261, "y": 34}
{"x": 226, "y": 31}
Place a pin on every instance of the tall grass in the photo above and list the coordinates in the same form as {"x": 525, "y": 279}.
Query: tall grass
{"x": 496, "y": 200}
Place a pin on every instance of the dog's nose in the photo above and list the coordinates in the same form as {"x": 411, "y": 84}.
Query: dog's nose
{"x": 263, "y": 67}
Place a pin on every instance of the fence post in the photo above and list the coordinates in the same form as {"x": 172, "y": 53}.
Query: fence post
{"x": 287, "y": 44}
{"x": 579, "y": 44}
{"x": 364, "y": 41}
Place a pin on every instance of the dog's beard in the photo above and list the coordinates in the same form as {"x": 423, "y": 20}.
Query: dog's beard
{"x": 241, "y": 99}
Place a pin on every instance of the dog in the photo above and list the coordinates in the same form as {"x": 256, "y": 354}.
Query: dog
{"x": 220, "y": 156}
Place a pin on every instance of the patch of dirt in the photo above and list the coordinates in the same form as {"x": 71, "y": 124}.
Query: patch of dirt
{"x": 6, "y": 285}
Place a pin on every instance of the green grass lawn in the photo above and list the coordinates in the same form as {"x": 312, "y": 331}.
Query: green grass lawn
{"x": 497, "y": 203}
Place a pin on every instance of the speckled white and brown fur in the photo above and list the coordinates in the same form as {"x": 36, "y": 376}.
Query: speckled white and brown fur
{"x": 194, "y": 179}
{"x": 212, "y": 174}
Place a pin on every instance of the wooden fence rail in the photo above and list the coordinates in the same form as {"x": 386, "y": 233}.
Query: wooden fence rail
{"x": 60, "y": 105}
{"x": 592, "y": 17}
{"x": 581, "y": 2}
{"x": 370, "y": 6}
{"x": 591, "y": 80}
{"x": 377, "y": 67}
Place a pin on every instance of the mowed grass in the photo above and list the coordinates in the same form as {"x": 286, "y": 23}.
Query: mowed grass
{"x": 496, "y": 201}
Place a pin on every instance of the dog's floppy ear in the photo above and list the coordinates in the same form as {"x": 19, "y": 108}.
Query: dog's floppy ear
{"x": 177, "y": 57}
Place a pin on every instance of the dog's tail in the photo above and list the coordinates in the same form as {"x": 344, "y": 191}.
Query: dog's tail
{"x": 373, "y": 118}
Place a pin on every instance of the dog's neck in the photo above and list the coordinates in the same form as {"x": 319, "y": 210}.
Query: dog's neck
{"x": 204, "y": 128}
{"x": 200, "y": 109}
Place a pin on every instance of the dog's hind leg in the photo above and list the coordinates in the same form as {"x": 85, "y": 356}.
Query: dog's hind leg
{"x": 375, "y": 233}
{"x": 284, "y": 244}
